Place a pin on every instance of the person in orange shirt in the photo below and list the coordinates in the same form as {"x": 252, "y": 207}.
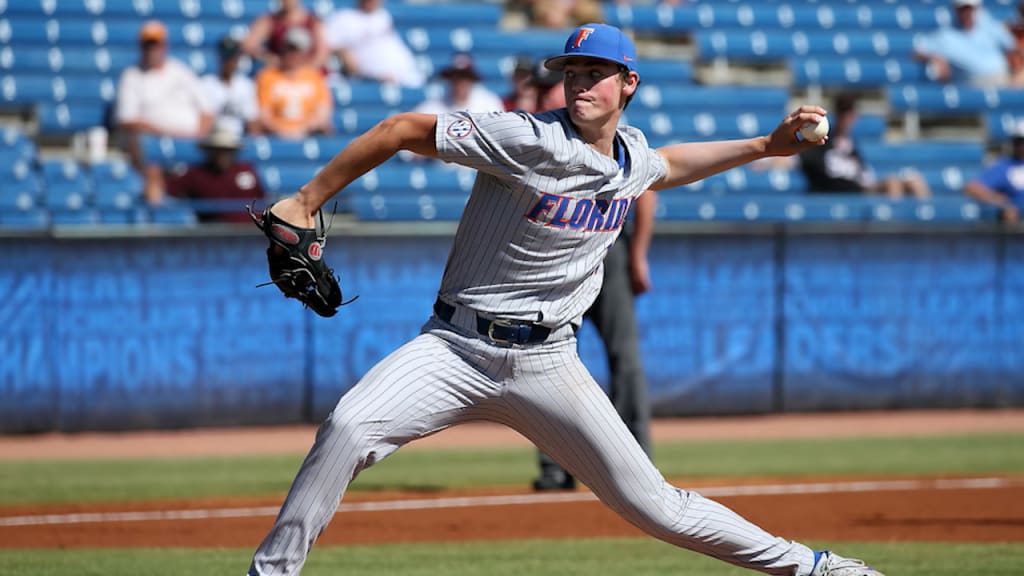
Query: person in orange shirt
{"x": 294, "y": 99}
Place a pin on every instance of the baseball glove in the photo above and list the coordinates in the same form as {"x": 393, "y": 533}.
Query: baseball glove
{"x": 295, "y": 259}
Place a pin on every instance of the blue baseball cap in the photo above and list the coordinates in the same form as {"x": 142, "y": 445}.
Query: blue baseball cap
{"x": 596, "y": 41}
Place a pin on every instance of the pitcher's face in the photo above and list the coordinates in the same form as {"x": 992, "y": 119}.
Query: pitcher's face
{"x": 596, "y": 89}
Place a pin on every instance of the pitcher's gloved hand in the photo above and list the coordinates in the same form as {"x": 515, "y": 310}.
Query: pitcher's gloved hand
{"x": 297, "y": 268}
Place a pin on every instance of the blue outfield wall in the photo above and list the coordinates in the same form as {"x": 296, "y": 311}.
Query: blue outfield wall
{"x": 143, "y": 332}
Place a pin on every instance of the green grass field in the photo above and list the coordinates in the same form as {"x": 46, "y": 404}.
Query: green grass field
{"x": 626, "y": 557}
{"x": 64, "y": 481}
{"x": 133, "y": 480}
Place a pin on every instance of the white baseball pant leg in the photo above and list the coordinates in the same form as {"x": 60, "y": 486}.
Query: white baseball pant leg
{"x": 443, "y": 378}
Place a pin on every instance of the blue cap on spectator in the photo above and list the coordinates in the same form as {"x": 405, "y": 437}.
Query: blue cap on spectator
{"x": 596, "y": 41}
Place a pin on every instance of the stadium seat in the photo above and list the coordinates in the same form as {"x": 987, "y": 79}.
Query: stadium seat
{"x": 14, "y": 145}
{"x": 285, "y": 178}
{"x": 35, "y": 219}
{"x": 84, "y": 217}
{"x": 317, "y": 149}
{"x": 921, "y": 155}
{"x": 19, "y": 195}
{"x": 116, "y": 185}
{"x": 651, "y": 19}
{"x": 65, "y": 184}
{"x": 407, "y": 207}
{"x": 779, "y": 45}
{"x": 948, "y": 210}
{"x": 855, "y": 72}
{"x": 476, "y": 15}
{"x": 665, "y": 127}
{"x": 361, "y": 94}
{"x": 70, "y": 117}
{"x": 429, "y": 178}
{"x": 168, "y": 151}
{"x": 172, "y": 214}
{"x": 952, "y": 100}
{"x": 1000, "y": 125}
{"x": 353, "y": 122}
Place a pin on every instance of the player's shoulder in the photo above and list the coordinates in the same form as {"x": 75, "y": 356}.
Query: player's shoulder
{"x": 634, "y": 138}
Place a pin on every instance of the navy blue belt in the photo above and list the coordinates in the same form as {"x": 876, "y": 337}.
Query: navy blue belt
{"x": 497, "y": 330}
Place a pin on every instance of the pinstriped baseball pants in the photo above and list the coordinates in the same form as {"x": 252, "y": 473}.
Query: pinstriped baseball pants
{"x": 447, "y": 376}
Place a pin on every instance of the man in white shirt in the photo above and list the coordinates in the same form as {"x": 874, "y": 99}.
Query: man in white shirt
{"x": 465, "y": 93}
{"x": 232, "y": 94}
{"x": 160, "y": 96}
{"x": 367, "y": 46}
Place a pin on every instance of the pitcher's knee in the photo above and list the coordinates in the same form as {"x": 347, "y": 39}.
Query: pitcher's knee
{"x": 659, "y": 512}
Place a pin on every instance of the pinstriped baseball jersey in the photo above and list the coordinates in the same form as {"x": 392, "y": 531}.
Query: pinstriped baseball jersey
{"x": 543, "y": 212}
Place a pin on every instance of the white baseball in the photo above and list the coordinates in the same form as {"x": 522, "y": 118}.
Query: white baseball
{"x": 813, "y": 132}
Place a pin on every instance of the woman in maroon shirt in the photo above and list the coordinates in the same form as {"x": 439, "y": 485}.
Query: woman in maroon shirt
{"x": 265, "y": 40}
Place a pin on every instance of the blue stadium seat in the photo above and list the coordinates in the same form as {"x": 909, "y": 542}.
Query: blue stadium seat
{"x": 934, "y": 210}
{"x": 731, "y": 98}
{"x": 400, "y": 178}
{"x": 921, "y": 155}
{"x": 779, "y": 45}
{"x": 33, "y": 88}
{"x": 35, "y": 219}
{"x": 14, "y": 145}
{"x": 406, "y": 207}
{"x": 66, "y": 185}
{"x": 651, "y": 19}
{"x": 491, "y": 67}
{"x": 70, "y": 117}
{"x": 484, "y": 14}
{"x": 949, "y": 180}
{"x": 19, "y": 195}
{"x": 855, "y": 72}
{"x": 285, "y": 178}
{"x": 483, "y": 40}
{"x": 317, "y": 149}
{"x": 77, "y": 60}
{"x": 116, "y": 185}
{"x": 172, "y": 214}
{"x": 1000, "y": 125}
{"x": 952, "y": 100}
{"x": 664, "y": 127}
{"x": 353, "y": 122}
{"x": 168, "y": 151}
{"x": 84, "y": 217}
{"x": 665, "y": 71}
{"x": 119, "y": 217}
{"x": 375, "y": 94}
{"x": 869, "y": 127}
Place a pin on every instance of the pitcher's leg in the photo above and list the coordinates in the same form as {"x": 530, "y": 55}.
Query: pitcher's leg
{"x": 557, "y": 405}
{"x": 421, "y": 388}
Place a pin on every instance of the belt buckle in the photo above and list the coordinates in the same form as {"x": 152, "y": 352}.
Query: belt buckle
{"x": 503, "y": 324}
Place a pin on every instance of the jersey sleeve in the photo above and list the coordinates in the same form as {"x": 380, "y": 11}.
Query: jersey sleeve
{"x": 502, "y": 144}
{"x": 652, "y": 163}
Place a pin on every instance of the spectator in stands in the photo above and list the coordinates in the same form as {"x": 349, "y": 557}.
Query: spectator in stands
{"x": 294, "y": 99}
{"x": 367, "y": 46}
{"x": 266, "y": 39}
{"x": 1016, "y": 27}
{"x": 522, "y": 94}
{"x": 220, "y": 177}
{"x": 160, "y": 96}
{"x": 232, "y": 94}
{"x": 464, "y": 90}
{"x": 837, "y": 166}
{"x": 562, "y": 13}
{"x": 549, "y": 88}
{"x": 1001, "y": 184}
{"x": 975, "y": 50}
